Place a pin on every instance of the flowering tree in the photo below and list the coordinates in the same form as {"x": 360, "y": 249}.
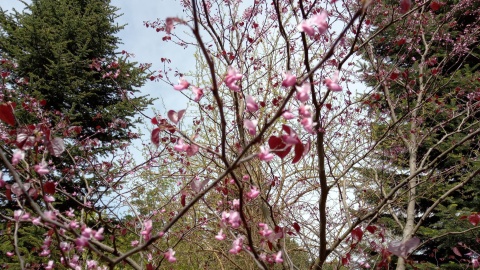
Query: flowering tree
{"x": 264, "y": 170}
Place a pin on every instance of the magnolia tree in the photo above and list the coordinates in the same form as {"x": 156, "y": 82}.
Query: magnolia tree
{"x": 264, "y": 168}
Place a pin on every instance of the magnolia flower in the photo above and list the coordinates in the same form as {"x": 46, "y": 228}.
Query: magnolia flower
{"x": 220, "y": 236}
{"x": 265, "y": 154}
{"x": 251, "y": 126}
{"x": 318, "y": 20}
{"x": 253, "y": 193}
{"x": 287, "y": 115}
{"x": 302, "y": 92}
{"x": 147, "y": 229}
{"x": 307, "y": 124}
{"x": 237, "y": 245}
{"x": 278, "y": 257}
{"x": 288, "y": 79}
{"x": 41, "y": 168}
{"x": 170, "y": 255}
{"x": 181, "y": 146}
{"x": 198, "y": 93}
{"x": 182, "y": 84}
{"x": 332, "y": 84}
{"x": 50, "y": 265}
{"x": 231, "y": 79}
{"x": 304, "y": 110}
{"x": 17, "y": 156}
{"x": 252, "y": 106}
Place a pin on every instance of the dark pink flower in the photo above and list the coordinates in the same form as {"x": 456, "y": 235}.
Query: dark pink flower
{"x": 252, "y": 106}
{"x": 288, "y": 79}
{"x": 251, "y": 126}
{"x": 231, "y": 79}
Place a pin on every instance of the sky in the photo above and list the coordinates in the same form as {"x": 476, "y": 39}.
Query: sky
{"x": 146, "y": 44}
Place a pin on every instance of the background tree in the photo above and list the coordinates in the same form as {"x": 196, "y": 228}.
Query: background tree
{"x": 426, "y": 72}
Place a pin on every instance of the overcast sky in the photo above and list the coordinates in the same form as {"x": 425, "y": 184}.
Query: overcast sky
{"x": 146, "y": 44}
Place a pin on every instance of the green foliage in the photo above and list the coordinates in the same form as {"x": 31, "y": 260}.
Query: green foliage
{"x": 64, "y": 49}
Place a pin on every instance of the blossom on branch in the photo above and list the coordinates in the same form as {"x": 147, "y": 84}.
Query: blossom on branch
{"x": 231, "y": 79}
{"x": 318, "y": 20}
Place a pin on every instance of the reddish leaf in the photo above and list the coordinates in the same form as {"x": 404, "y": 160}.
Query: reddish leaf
{"x": 474, "y": 219}
{"x": 270, "y": 245}
{"x": 357, "y": 234}
{"x": 278, "y": 147}
{"x": 155, "y": 137}
{"x": 8, "y": 194}
{"x": 6, "y": 113}
{"x": 175, "y": 116}
{"x": 346, "y": 259}
{"x": 298, "y": 152}
{"x": 56, "y": 146}
{"x": 371, "y": 228}
{"x": 49, "y": 187}
{"x": 405, "y": 6}
{"x": 394, "y": 75}
{"x": 150, "y": 266}
{"x": 182, "y": 200}
{"x": 296, "y": 227}
{"x": 287, "y": 129}
{"x": 456, "y": 251}
{"x": 329, "y": 106}
{"x": 434, "y": 5}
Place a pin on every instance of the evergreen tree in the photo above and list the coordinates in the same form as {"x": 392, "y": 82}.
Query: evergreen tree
{"x": 452, "y": 88}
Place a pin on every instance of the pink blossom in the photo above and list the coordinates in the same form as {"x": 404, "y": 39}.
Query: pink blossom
{"x": 74, "y": 224}
{"x": 182, "y": 84}
{"x": 220, "y": 236}
{"x": 50, "y": 265}
{"x": 251, "y": 126}
{"x": 91, "y": 264}
{"x": 278, "y": 257}
{"x": 475, "y": 262}
{"x": 303, "y": 92}
{"x": 41, "y": 168}
{"x": 252, "y": 106}
{"x": 44, "y": 253}
{"x": 70, "y": 213}
{"x": 307, "y": 124}
{"x": 265, "y": 232}
{"x": 181, "y": 146}
{"x": 192, "y": 150}
{"x": 332, "y": 84}
{"x": 236, "y": 203}
{"x": 231, "y": 79}
{"x": 304, "y": 110}
{"x": 288, "y": 79}
{"x": 147, "y": 229}
{"x": 237, "y": 245}
{"x": 265, "y": 154}
{"x": 98, "y": 234}
{"x": 287, "y": 115}
{"x": 10, "y": 254}
{"x": 169, "y": 255}
{"x": 81, "y": 242}
{"x": 48, "y": 198}
{"x": 198, "y": 93}
{"x": 318, "y": 20}
{"x": 253, "y": 193}
{"x": 234, "y": 219}
{"x": 134, "y": 243}
{"x": 17, "y": 156}
{"x": 36, "y": 221}
{"x": 17, "y": 214}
